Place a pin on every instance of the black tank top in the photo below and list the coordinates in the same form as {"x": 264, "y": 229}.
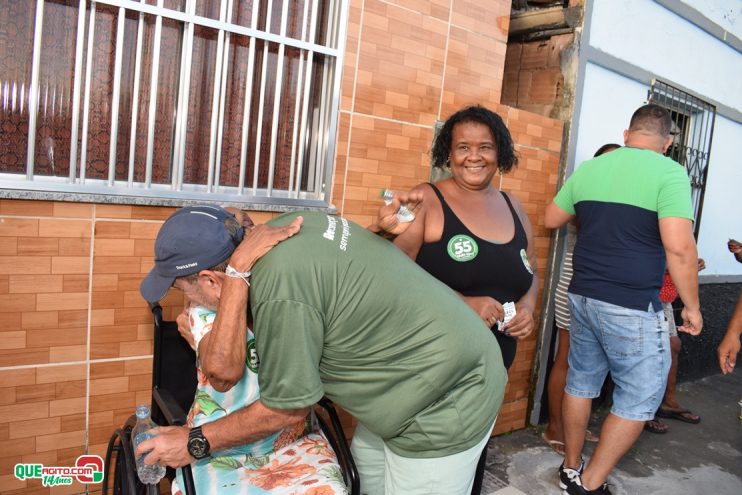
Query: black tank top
{"x": 476, "y": 267}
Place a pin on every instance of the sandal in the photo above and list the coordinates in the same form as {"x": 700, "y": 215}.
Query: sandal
{"x": 683, "y": 415}
{"x": 555, "y": 445}
{"x": 656, "y": 426}
{"x": 589, "y": 437}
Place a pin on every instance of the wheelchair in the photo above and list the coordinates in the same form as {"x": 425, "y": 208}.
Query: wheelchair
{"x": 174, "y": 384}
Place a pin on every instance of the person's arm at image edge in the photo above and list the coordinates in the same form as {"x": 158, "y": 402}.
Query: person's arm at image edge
{"x": 730, "y": 345}
{"x": 735, "y": 247}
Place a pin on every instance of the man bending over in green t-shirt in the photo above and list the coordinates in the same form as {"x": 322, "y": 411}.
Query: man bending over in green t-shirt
{"x": 340, "y": 312}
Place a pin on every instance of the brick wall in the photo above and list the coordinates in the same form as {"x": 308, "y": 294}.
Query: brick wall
{"x": 533, "y": 78}
{"x": 75, "y": 354}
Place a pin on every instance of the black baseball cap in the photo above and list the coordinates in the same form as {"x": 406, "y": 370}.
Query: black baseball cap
{"x": 192, "y": 239}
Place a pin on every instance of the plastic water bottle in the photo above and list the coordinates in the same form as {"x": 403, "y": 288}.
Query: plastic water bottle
{"x": 143, "y": 429}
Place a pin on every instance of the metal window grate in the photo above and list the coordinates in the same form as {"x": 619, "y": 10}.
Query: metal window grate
{"x": 222, "y": 100}
{"x": 693, "y": 129}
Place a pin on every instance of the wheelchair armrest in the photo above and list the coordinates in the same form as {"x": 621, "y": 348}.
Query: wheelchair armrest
{"x": 189, "y": 488}
{"x": 174, "y": 416}
{"x": 341, "y": 447}
{"x": 166, "y": 403}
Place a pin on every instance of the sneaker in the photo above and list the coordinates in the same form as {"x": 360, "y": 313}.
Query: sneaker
{"x": 567, "y": 476}
{"x": 576, "y": 488}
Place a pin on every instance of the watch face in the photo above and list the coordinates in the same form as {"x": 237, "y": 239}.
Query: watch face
{"x": 198, "y": 447}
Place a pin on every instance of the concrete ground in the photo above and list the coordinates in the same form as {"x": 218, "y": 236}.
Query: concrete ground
{"x": 690, "y": 459}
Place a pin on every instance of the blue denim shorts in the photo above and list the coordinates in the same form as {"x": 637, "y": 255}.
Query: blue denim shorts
{"x": 633, "y": 345}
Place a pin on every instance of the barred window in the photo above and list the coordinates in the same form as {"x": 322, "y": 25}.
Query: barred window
{"x": 693, "y": 127}
{"x": 223, "y": 100}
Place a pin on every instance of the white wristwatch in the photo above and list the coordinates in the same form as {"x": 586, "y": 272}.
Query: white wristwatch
{"x": 231, "y": 272}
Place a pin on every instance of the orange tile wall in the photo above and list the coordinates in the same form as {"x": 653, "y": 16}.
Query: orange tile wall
{"x": 75, "y": 349}
{"x": 76, "y": 337}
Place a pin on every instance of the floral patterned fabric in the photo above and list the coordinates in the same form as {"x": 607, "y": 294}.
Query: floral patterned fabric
{"x": 295, "y": 460}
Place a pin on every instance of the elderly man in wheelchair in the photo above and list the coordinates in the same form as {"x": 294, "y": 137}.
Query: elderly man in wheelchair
{"x": 298, "y": 456}
{"x": 293, "y": 459}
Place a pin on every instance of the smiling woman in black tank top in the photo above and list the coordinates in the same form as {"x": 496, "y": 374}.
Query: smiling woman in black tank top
{"x": 470, "y": 235}
{"x": 496, "y": 271}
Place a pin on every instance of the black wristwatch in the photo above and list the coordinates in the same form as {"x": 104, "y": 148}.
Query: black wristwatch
{"x": 198, "y": 446}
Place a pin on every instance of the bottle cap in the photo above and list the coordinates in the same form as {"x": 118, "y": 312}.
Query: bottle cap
{"x": 142, "y": 411}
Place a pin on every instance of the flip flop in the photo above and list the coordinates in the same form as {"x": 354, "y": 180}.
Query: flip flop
{"x": 555, "y": 445}
{"x": 683, "y": 415}
{"x": 656, "y": 426}
{"x": 589, "y": 437}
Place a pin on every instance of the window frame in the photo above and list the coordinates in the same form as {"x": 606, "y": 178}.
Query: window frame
{"x": 322, "y": 139}
{"x": 693, "y": 125}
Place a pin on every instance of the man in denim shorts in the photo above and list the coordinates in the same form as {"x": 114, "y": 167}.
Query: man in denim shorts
{"x": 635, "y": 213}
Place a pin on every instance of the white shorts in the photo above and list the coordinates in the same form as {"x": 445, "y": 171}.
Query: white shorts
{"x": 383, "y": 472}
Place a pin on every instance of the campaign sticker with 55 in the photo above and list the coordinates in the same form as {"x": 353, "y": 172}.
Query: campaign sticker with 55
{"x": 87, "y": 469}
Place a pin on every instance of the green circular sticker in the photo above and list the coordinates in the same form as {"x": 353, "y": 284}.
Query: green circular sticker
{"x": 462, "y": 248}
{"x": 251, "y": 359}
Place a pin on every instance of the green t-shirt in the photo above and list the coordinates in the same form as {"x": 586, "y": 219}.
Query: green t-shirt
{"x": 340, "y": 312}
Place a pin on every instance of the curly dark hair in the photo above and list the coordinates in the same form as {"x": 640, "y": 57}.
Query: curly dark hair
{"x": 506, "y": 158}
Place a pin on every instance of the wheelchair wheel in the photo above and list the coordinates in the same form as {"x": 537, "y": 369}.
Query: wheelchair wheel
{"x": 120, "y": 458}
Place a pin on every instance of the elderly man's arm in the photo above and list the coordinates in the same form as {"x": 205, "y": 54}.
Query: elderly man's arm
{"x": 682, "y": 263}
{"x": 729, "y": 347}
{"x": 251, "y": 423}
{"x": 556, "y": 217}
{"x": 223, "y": 359}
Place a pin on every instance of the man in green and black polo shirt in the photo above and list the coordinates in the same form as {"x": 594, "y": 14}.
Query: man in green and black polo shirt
{"x": 635, "y": 213}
